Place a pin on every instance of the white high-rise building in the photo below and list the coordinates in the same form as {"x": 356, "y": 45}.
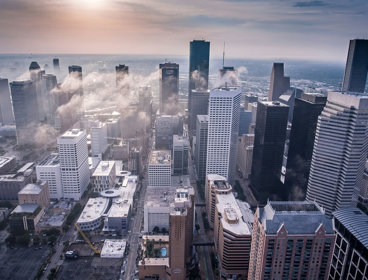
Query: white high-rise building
{"x": 223, "y": 126}
{"x": 49, "y": 170}
{"x": 73, "y": 156}
{"x": 159, "y": 169}
{"x": 98, "y": 139}
{"x": 340, "y": 152}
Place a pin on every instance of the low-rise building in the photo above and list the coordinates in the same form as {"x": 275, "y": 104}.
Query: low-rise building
{"x": 104, "y": 176}
{"x": 25, "y": 217}
{"x": 7, "y": 164}
{"x": 35, "y": 193}
{"x": 350, "y": 254}
{"x": 92, "y": 215}
{"x": 11, "y": 184}
{"x": 159, "y": 168}
{"x": 113, "y": 249}
{"x": 49, "y": 170}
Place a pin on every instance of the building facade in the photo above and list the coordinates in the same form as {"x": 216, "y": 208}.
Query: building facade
{"x": 291, "y": 240}
{"x": 73, "y": 156}
{"x": 339, "y": 152}
{"x": 245, "y": 154}
{"x": 49, "y": 170}
{"x": 6, "y": 108}
{"x": 104, "y": 176}
{"x": 169, "y": 88}
{"x": 180, "y": 155}
{"x": 159, "y": 168}
{"x": 198, "y": 105}
{"x": 98, "y": 139}
{"x": 223, "y": 126}
{"x": 35, "y": 193}
{"x": 201, "y": 147}
{"x": 279, "y": 83}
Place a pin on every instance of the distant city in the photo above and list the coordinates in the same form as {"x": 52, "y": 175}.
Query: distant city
{"x": 127, "y": 167}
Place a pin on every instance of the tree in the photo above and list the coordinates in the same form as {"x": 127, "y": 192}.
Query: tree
{"x": 156, "y": 252}
{"x": 149, "y": 248}
{"x": 164, "y": 230}
{"x": 23, "y": 239}
{"x": 197, "y": 227}
{"x": 36, "y": 240}
{"x": 52, "y": 239}
{"x": 156, "y": 229}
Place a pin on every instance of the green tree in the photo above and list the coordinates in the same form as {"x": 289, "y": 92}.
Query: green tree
{"x": 36, "y": 240}
{"x": 23, "y": 239}
{"x": 156, "y": 230}
{"x": 164, "y": 230}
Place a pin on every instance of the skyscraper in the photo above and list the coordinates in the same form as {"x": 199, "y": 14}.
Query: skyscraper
{"x": 228, "y": 76}
{"x": 169, "y": 88}
{"x": 279, "y": 83}
{"x": 75, "y": 72}
{"x": 73, "y": 156}
{"x": 51, "y": 98}
{"x": 199, "y": 58}
{"x": 268, "y": 151}
{"x": 303, "y": 131}
{"x": 122, "y": 71}
{"x": 56, "y": 64}
{"x": 198, "y": 105}
{"x": 340, "y": 152}
{"x": 356, "y": 66}
{"x": 25, "y": 107}
{"x": 6, "y": 108}
{"x": 223, "y": 126}
{"x": 35, "y": 74}
{"x": 201, "y": 147}
{"x": 180, "y": 155}
{"x": 291, "y": 240}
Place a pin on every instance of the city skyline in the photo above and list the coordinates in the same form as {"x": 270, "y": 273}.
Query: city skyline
{"x": 312, "y": 30}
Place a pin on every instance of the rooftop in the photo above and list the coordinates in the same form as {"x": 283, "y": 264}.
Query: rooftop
{"x": 31, "y": 189}
{"x": 160, "y": 157}
{"x": 113, "y": 248}
{"x": 50, "y": 160}
{"x": 159, "y": 196}
{"x": 72, "y": 133}
{"x": 355, "y": 221}
{"x": 94, "y": 209}
{"x": 231, "y": 216}
{"x": 5, "y": 160}
{"x": 202, "y": 118}
{"x": 104, "y": 168}
{"x": 26, "y": 208}
{"x": 299, "y": 217}
{"x": 273, "y": 104}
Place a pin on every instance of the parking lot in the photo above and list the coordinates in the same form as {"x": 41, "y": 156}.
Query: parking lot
{"x": 21, "y": 263}
{"x": 90, "y": 268}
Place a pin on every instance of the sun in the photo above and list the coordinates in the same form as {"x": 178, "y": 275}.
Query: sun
{"x": 91, "y": 3}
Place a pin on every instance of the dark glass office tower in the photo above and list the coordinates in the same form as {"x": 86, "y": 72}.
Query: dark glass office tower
{"x": 75, "y": 72}
{"x": 122, "y": 71}
{"x": 228, "y": 76}
{"x": 25, "y": 107}
{"x": 56, "y": 64}
{"x": 198, "y": 105}
{"x": 199, "y": 58}
{"x": 169, "y": 88}
{"x": 269, "y": 142}
{"x": 356, "y": 66}
{"x": 303, "y": 130}
{"x": 278, "y": 83}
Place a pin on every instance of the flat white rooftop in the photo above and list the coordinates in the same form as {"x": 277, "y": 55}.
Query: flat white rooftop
{"x": 232, "y": 217}
{"x": 159, "y": 196}
{"x": 5, "y": 160}
{"x": 31, "y": 189}
{"x": 104, "y": 168}
{"x": 73, "y": 133}
{"x": 93, "y": 210}
{"x": 160, "y": 157}
{"x": 113, "y": 248}
{"x": 50, "y": 160}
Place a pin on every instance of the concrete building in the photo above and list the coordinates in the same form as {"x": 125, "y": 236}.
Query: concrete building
{"x": 91, "y": 216}
{"x": 249, "y": 98}
{"x": 73, "y": 156}
{"x": 303, "y": 131}
{"x": 181, "y": 232}
{"x": 11, "y": 184}
{"x": 7, "y": 164}
{"x": 180, "y": 155}
{"x": 6, "y": 108}
{"x": 268, "y": 151}
{"x": 35, "y": 193}
{"x": 49, "y": 170}
{"x": 245, "y": 119}
{"x": 291, "y": 240}
{"x": 169, "y": 88}
{"x": 98, "y": 139}
{"x": 201, "y": 147}
{"x": 159, "y": 168}
{"x": 278, "y": 83}
{"x": 350, "y": 254}
{"x": 356, "y": 69}
{"x": 104, "y": 176}
{"x": 25, "y": 108}
{"x": 232, "y": 236}
{"x": 245, "y": 154}
{"x": 340, "y": 152}
{"x": 363, "y": 194}
{"x": 165, "y": 128}
{"x": 197, "y": 105}
{"x": 25, "y": 217}
{"x": 223, "y": 127}
{"x": 215, "y": 184}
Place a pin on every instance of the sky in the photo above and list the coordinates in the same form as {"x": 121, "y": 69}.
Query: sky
{"x": 294, "y": 29}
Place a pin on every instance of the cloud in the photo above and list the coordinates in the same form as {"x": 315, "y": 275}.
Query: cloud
{"x": 310, "y": 4}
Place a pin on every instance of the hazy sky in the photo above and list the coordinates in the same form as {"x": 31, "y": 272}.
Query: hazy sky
{"x": 318, "y": 30}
